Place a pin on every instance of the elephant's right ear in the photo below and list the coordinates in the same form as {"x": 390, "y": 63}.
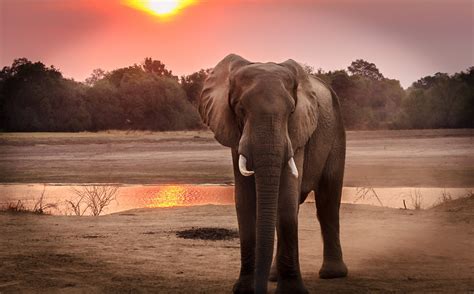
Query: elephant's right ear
{"x": 214, "y": 103}
{"x": 303, "y": 122}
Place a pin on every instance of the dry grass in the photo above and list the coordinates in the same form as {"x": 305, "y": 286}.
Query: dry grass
{"x": 14, "y": 207}
{"x": 89, "y": 199}
{"x": 40, "y": 206}
{"x": 445, "y": 197}
{"x": 446, "y": 200}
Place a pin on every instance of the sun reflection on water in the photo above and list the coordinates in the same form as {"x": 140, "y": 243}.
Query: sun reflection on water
{"x": 138, "y": 196}
{"x": 169, "y": 196}
{"x": 187, "y": 195}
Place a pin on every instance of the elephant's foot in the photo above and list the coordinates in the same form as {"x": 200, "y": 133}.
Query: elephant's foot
{"x": 245, "y": 284}
{"x": 291, "y": 286}
{"x": 333, "y": 269}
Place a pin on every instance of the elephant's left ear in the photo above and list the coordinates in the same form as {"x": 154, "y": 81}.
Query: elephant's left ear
{"x": 303, "y": 121}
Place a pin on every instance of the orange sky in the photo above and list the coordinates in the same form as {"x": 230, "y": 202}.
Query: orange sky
{"x": 406, "y": 39}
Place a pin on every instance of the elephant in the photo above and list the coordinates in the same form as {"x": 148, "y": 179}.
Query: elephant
{"x": 287, "y": 138}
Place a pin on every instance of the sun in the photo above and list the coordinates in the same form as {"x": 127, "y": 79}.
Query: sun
{"x": 164, "y": 9}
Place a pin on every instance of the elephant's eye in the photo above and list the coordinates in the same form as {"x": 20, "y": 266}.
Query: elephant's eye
{"x": 240, "y": 111}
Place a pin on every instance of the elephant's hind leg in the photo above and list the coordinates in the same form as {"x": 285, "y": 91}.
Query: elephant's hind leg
{"x": 328, "y": 199}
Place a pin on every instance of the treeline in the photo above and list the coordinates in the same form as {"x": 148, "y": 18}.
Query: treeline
{"x": 371, "y": 101}
{"x": 34, "y": 97}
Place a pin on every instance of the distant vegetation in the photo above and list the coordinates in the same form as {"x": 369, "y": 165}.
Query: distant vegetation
{"x": 371, "y": 101}
{"x": 34, "y": 97}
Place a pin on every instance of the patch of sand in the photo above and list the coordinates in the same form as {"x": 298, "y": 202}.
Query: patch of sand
{"x": 386, "y": 250}
{"x": 417, "y": 158}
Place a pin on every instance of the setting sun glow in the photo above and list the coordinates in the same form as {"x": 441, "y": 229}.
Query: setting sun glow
{"x": 164, "y": 9}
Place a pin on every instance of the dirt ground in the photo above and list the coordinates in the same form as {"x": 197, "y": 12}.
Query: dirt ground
{"x": 386, "y": 250}
{"x": 137, "y": 251}
{"x": 418, "y": 158}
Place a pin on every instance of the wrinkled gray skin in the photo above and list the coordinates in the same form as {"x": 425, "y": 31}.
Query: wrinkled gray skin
{"x": 269, "y": 113}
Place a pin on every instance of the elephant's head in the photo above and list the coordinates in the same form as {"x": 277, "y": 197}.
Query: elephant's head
{"x": 266, "y": 111}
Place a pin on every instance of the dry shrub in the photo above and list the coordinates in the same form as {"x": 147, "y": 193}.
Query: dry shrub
{"x": 416, "y": 199}
{"x": 76, "y": 205}
{"x": 95, "y": 197}
{"x": 363, "y": 193}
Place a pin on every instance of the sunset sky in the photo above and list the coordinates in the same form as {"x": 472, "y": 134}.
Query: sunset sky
{"x": 405, "y": 39}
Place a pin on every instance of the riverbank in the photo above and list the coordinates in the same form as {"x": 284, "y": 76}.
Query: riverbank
{"x": 386, "y": 250}
{"x": 399, "y": 158}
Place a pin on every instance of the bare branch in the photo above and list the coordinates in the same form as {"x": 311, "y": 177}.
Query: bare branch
{"x": 96, "y": 197}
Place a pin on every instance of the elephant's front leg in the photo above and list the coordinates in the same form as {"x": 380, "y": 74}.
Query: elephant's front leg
{"x": 245, "y": 203}
{"x": 288, "y": 267}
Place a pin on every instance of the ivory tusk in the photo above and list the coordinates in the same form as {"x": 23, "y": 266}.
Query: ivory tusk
{"x": 243, "y": 166}
{"x": 293, "y": 169}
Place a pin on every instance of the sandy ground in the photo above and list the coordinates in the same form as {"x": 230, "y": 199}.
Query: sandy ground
{"x": 420, "y": 158}
{"x": 137, "y": 251}
{"x": 386, "y": 250}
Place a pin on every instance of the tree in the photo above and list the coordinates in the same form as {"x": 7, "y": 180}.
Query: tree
{"x": 126, "y": 73}
{"x": 365, "y": 69}
{"x": 97, "y": 75}
{"x": 37, "y": 98}
{"x": 104, "y": 105}
{"x": 157, "y": 67}
{"x": 439, "y": 101}
{"x": 365, "y": 103}
{"x": 193, "y": 83}
{"x": 157, "y": 103}
{"x": 309, "y": 69}
{"x": 429, "y": 81}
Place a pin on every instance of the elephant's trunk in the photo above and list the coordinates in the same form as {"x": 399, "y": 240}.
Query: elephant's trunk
{"x": 268, "y": 165}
